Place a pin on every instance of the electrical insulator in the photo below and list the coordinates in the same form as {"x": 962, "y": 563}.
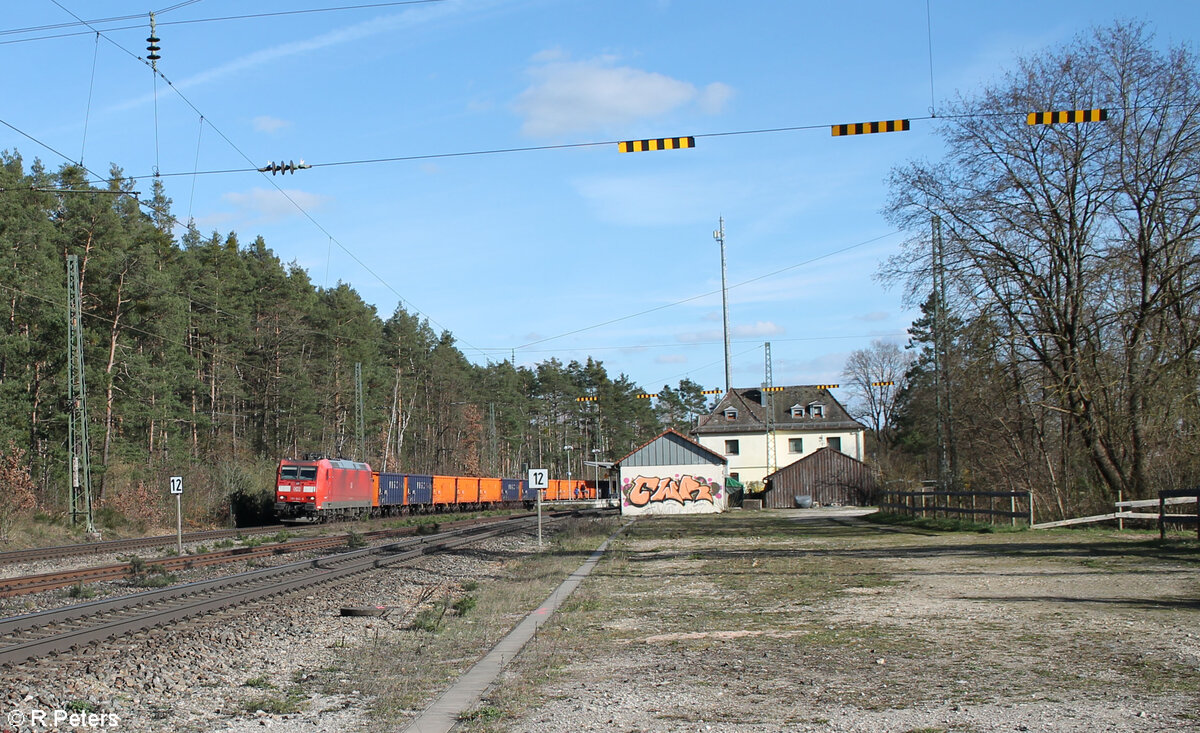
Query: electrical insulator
{"x": 153, "y": 48}
{"x": 288, "y": 167}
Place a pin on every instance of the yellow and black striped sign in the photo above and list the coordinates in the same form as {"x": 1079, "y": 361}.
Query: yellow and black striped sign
{"x": 712, "y": 391}
{"x": 866, "y": 128}
{"x": 888, "y": 383}
{"x": 586, "y": 399}
{"x": 826, "y": 386}
{"x": 773, "y": 389}
{"x": 1074, "y": 115}
{"x": 645, "y": 396}
{"x": 662, "y": 143}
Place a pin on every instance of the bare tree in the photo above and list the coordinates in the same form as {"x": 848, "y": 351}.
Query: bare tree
{"x": 1079, "y": 241}
{"x": 874, "y": 377}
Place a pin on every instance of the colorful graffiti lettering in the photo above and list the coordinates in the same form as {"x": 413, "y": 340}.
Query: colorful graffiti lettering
{"x": 645, "y": 490}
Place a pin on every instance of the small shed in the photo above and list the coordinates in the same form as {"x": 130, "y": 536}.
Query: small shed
{"x": 828, "y": 476}
{"x": 672, "y": 474}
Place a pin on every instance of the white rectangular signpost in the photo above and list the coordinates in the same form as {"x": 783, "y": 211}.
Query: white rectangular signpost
{"x": 177, "y": 490}
{"x": 539, "y": 480}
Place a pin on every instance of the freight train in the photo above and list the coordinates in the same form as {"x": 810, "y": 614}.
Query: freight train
{"x": 323, "y": 489}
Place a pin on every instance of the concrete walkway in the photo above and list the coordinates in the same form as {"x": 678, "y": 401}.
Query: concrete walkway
{"x": 443, "y": 714}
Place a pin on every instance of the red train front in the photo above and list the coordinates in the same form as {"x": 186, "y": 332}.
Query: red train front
{"x": 322, "y": 489}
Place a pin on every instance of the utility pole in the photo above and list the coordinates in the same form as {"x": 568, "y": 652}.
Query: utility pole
{"x": 719, "y": 235}
{"x": 359, "y": 418}
{"x": 79, "y": 494}
{"x": 946, "y": 468}
{"x": 769, "y": 408}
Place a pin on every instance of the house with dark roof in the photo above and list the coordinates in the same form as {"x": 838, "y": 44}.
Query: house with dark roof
{"x": 803, "y": 419}
{"x": 672, "y": 474}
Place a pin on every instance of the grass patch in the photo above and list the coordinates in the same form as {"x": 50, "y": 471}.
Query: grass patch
{"x": 261, "y": 683}
{"x": 941, "y": 524}
{"x": 79, "y": 590}
{"x": 445, "y": 636}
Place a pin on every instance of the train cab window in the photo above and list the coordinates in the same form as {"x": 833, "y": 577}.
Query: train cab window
{"x": 308, "y": 473}
{"x": 288, "y": 472}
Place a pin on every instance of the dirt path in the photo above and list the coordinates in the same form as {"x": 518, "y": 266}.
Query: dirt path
{"x": 818, "y": 621}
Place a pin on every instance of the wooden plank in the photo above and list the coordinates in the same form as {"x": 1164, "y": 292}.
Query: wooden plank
{"x": 1154, "y": 502}
{"x": 1082, "y": 520}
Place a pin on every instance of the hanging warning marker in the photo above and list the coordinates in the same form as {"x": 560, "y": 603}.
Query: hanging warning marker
{"x": 662, "y": 143}
{"x": 1074, "y": 115}
{"x": 866, "y": 128}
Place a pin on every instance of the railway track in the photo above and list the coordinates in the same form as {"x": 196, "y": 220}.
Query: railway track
{"x": 26, "y": 584}
{"x": 106, "y": 546}
{"x": 38, "y": 634}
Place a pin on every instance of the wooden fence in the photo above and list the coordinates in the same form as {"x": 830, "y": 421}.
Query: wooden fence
{"x": 1127, "y": 510}
{"x": 1182, "y": 496}
{"x": 1011, "y": 505}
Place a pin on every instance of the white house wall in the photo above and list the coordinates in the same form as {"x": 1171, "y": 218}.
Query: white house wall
{"x": 680, "y": 489}
{"x": 750, "y": 464}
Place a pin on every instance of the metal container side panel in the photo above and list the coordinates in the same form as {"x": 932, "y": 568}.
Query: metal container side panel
{"x": 527, "y": 493}
{"x": 445, "y": 489}
{"x": 510, "y": 489}
{"x": 391, "y": 489}
{"x": 489, "y": 490}
{"x": 466, "y": 490}
{"x": 420, "y": 489}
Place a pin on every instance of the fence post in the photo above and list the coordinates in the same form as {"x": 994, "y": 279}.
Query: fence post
{"x": 1119, "y": 508}
{"x": 1162, "y": 526}
{"x": 1012, "y": 501}
{"x": 1031, "y": 508}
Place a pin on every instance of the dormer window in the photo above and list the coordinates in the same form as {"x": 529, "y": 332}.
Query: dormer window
{"x": 797, "y": 411}
{"x": 816, "y": 409}
{"x": 730, "y": 413}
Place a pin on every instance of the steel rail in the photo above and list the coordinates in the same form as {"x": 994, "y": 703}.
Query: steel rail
{"x": 68, "y": 628}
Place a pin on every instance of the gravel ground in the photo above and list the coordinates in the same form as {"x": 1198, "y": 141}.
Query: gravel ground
{"x": 794, "y": 620}
{"x": 60, "y": 597}
{"x": 829, "y": 627}
{"x": 246, "y": 668}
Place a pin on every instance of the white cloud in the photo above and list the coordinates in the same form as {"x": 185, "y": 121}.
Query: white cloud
{"x": 670, "y": 359}
{"x": 268, "y": 124}
{"x": 761, "y": 328}
{"x": 753, "y": 330}
{"x": 572, "y": 96}
{"x": 339, "y": 36}
{"x": 262, "y": 204}
{"x": 873, "y": 316}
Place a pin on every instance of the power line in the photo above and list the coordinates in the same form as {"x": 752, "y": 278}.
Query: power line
{"x": 251, "y": 16}
{"x": 712, "y": 292}
{"x": 282, "y": 192}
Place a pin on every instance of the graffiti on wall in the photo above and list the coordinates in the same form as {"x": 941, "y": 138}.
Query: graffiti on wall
{"x": 683, "y": 490}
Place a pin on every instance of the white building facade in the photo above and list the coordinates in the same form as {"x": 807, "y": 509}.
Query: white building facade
{"x": 804, "y": 419}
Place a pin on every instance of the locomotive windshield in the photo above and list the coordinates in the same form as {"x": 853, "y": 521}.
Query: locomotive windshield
{"x": 304, "y": 473}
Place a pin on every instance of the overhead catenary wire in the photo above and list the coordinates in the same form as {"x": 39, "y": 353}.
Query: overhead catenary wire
{"x": 249, "y": 16}
{"x": 87, "y": 115}
{"x": 664, "y": 306}
{"x": 153, "y": 67}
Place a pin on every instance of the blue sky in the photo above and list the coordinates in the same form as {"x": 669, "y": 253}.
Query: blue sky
{"x": 510, "y": 251}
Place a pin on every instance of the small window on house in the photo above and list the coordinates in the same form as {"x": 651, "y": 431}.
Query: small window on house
{"x": 730, "y": 413}
{"x": 835, "y": 443}
{"x": 816, "y": 410}
{"x": 734, "y": 476}
{"x": 797, "y": 411}
{"x": 731, "y": 447}
{"x": 795, "y": 445}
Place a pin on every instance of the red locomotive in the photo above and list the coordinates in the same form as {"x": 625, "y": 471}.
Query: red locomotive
{"x": 324, "y": 488}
